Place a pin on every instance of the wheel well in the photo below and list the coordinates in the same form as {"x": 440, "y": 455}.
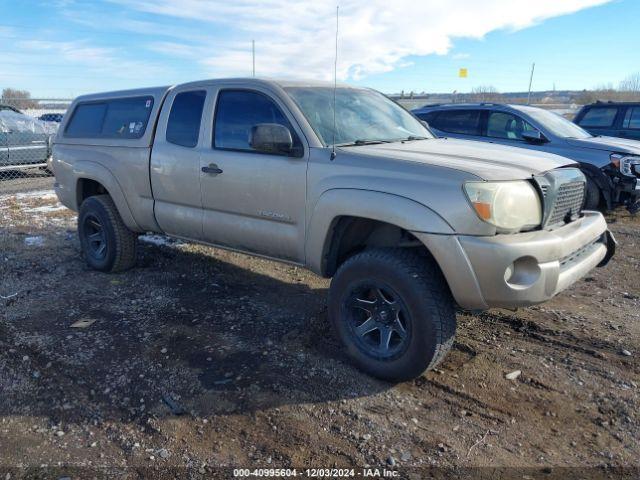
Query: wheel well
{"x": 602, "y": 181}
{"x": 350, "y": 235}
{"x": 88, "y": 188}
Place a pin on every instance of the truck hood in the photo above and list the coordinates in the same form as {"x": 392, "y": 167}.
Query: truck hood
{"x": 488, "y": 161}
{"x": 610, "y": 144}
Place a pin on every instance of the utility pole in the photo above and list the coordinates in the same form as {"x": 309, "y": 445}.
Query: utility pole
{"x": 533, "y": 67}
{"x": 253, "y": 56}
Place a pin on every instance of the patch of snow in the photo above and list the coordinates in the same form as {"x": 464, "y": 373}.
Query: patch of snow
{"x": 46, "y": 208}
{"x": 37, "y": 194}
{"x": 34, "y": 241}
{"x": 43, "y": 194}
{"x": 159, "y": 240}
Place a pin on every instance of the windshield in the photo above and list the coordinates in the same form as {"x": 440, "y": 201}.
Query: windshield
{"x": 362, "y": 116}
{"x": 559, "y": 126}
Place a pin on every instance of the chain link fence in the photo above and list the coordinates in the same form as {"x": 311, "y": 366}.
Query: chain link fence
{"x": 27, "y": 129}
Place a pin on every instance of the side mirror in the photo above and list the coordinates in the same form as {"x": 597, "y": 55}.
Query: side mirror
{"x": 271, "y": 138}
{"x": 534, "y": 136}
{"x": 425, "y": 124}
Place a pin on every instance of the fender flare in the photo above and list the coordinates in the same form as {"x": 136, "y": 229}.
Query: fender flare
{"x": 385, "y": 207}
{"x": 89, "y": 170}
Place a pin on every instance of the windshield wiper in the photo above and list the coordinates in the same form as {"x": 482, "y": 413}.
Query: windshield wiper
{"x": 362, "y": 142}
{"x": 414, "y": 137}
{"x": 376, "y": 142}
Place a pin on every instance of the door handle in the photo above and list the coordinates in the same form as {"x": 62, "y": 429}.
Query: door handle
{"x": 212, "y": 169}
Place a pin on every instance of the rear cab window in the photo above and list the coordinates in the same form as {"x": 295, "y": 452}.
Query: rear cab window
{"x": 87, "y": 120}
{"x": 118, "y": 118}
{"x": 466, "y": 122}
{"x": 599, "y": 117}
{"x": 183, "y": 126}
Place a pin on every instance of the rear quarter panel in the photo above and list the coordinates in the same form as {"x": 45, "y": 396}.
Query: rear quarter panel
{"x": 124, "y": 172}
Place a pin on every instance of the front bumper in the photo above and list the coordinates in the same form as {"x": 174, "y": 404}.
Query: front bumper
{"x": 626, "y": 189}
{"x": 520, "y": 269}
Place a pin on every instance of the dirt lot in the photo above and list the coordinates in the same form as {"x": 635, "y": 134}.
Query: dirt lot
{"x": 201, "y": 358}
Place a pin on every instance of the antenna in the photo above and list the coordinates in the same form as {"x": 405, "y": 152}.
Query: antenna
{"x": 335, "y": 87}
{"x": 253, "y": 56}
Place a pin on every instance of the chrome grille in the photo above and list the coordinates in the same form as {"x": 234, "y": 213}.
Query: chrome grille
{"x": 569, "y": 199}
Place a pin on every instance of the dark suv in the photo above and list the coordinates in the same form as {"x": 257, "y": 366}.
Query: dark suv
{"x": 614, "y": 119}
{"x": 611, "y": 165}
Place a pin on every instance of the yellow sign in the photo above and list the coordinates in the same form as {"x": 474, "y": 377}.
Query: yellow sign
{"x": 462, "y": 73}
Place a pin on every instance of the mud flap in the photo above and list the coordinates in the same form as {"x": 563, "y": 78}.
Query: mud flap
{"x": 611, "y": 243}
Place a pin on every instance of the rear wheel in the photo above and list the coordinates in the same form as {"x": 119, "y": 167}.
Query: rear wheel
{"x": 393, "y": 311}
{"x": 107, "y": 244}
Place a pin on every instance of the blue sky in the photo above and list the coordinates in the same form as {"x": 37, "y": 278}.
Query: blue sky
{"x": 63, "y": 48}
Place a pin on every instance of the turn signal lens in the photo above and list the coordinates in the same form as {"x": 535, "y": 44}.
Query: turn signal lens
{"x": 483, "y": 210}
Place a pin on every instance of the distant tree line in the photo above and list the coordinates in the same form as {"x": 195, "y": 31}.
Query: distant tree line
{"x": 20, "y": 99}
{"x": 485, "y": 93}
{"x": 628, "y": 91}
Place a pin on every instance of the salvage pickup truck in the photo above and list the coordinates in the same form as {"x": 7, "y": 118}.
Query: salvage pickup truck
{"x": 409, "y": 226}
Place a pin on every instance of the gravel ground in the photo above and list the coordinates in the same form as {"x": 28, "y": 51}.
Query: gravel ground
{"x": 199, "y": 359}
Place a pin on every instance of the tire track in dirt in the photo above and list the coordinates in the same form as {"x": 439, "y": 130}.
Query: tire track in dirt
{"x": 546, "y": 337}
{"x": 463, "y": 400}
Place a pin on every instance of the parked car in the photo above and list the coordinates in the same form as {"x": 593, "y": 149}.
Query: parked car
{"x": 611, "y": 165}
{"x": 407, "y": 225}
{"x": 24, "y": 141}
{"x": 51, "y": 117}
{"x": 613, "y": 119}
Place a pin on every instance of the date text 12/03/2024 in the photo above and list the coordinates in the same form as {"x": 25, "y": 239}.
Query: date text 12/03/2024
{"x": 317, "y": 472}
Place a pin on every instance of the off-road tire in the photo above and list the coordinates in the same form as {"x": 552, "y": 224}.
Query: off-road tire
{"x": 419, "y": 283}
{"x": 591, "y": 195}
{"x": 120, "y": 242}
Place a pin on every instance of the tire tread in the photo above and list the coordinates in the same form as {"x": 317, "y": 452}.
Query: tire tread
{"x": 126, "y": 240}
{"x": 430, "y": 281}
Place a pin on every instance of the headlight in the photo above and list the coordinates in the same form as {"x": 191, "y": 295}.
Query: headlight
{"x": 510, "y": 206}
{"x": 628, "y": 165}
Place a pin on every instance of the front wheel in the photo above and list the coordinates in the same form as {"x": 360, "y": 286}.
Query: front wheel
{"x": 393, "y": 311}
{"x": 591, "y": 195}
{"x": 107, "y": 244}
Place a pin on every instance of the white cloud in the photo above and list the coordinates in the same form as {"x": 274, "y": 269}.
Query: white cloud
{"x": 297, "y": 38}
{"x": 82, "y": 53}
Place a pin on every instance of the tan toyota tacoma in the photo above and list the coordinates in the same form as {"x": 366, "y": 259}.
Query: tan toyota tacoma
{"x": 409, "y": 227}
